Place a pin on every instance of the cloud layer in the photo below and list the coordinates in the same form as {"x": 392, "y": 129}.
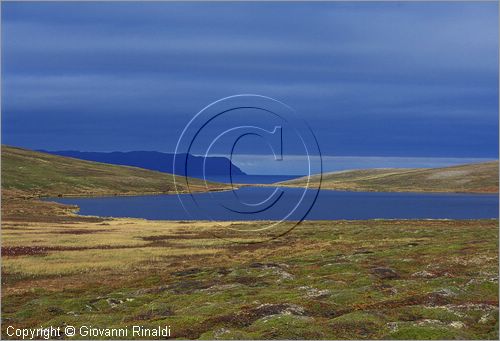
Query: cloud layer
{"x": 394, "y": 79}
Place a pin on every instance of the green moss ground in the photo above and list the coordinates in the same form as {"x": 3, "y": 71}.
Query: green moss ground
{"x": 324, "y": 280}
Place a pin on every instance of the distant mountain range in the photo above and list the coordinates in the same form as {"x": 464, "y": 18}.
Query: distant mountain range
{"x": 158, "y": 161}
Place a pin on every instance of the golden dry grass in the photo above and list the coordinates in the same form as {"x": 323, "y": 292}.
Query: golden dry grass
{"x": 117, "y": 271}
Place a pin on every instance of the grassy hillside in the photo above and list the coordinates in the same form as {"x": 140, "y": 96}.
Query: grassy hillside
{"x": 470, "y": 178}
{"x": 30, "y": 173}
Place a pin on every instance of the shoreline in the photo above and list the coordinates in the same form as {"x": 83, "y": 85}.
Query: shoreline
{"x": 238, "y": 186}
{"x": 112, "y": 195}
{"x": 384, "y": 191}
{"x": 187, "y": 221}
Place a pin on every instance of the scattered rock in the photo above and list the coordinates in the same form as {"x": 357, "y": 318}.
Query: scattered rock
{"x": 251, "y": 314}
{"x": 276, "y": 268}
{"x": 315, "y": 293}
{"x": 386, "y": 288}
{"x": 220, "y": 332}
{"x": 445, "y": 292}
{"x": 113, "y": 302}
{"x": 55, "y": 310}
{"x": 453, "y": 324}
{"x": 424, "y": 322}
{"x": 478, "y": 281}
{"x": 393, "y": 326}
{"x": 267, "y": 309}
{"x": 457, "y": 324}
{"x": 485, "y": 318}
{"x": 284, "y": 275}
{"x": 468, "y": 261}
{"x": 424, "y": 274}
{"x": 385, "y": 273}
{"x": 268, "y": 265}
{"x": 221, "y": 287}
{"x": 462, "y": 310}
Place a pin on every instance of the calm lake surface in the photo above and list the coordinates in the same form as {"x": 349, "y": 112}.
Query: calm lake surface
{"x": 252, "y": 179}
{"x": 329, "y": 205}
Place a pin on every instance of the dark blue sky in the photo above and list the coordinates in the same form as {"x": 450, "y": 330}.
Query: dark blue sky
{"x": 371, "y": 79}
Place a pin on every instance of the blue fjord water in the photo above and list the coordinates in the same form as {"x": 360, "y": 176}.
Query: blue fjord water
{"x": 329, "y": 205}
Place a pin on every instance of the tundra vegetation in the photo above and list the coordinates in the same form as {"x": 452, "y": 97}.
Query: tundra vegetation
{"x": 30, "y": 173}
{"x": 470, "y": 178}
{"x": 375, "y": 279}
